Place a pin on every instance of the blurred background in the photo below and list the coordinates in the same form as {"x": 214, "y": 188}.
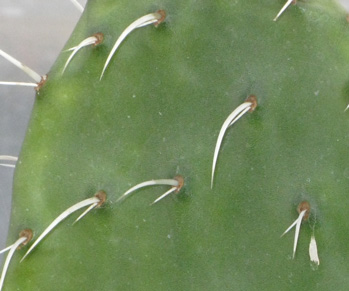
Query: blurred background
{"x": 34, "y": 32}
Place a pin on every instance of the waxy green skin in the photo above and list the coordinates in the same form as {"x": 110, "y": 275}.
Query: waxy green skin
{"x": 157, "y": 113}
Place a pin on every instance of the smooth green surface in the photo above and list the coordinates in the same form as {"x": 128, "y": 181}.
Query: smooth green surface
{"x": 157, "y": 113}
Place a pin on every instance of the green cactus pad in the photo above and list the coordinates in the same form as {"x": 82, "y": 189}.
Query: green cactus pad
{"x": 157, "y": 113}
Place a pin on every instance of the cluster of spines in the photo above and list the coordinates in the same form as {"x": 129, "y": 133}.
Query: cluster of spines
{"x": 93, "y": 202}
